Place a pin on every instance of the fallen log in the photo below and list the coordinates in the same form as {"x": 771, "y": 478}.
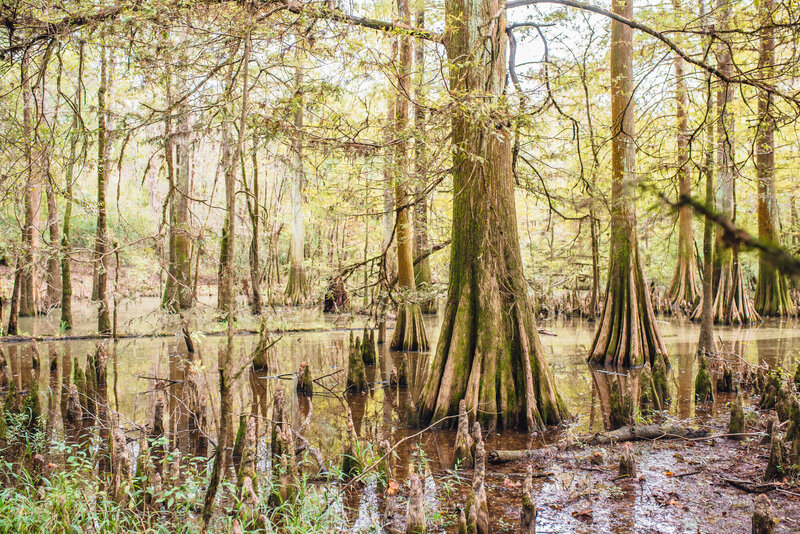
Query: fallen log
{"x": 626, "y": 433}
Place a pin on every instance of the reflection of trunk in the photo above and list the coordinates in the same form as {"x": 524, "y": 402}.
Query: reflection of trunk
{"x": 489, "y": 350}
{"x": 772, "y": 295}
{"x": 422, "y": 270}
{"x": 619, "y": 397}
{"x": 683, "y": 292}
{"x": 105, "y": 126}
{"x": 732, "y": 304}
{"x": 705, "y": 310}
{"x": 627, "y": 334}
{"x": 297, "y": 283}
{"x": 33, "y": 198}
{"x": 13, "y": 308}
{"x": 177, "y": 290}
{"x": 409, "y": 331}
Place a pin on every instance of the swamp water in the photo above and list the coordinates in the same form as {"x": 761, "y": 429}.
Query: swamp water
{"x": 321, "y": 341}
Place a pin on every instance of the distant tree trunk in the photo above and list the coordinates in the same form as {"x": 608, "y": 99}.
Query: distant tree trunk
{"x": 53, "y": 279}
{"x": 178, "y": 293}
{"x": 707, "y": 343}
{"x": 683, "y": 293}
{"x": 409, "y": 330}
{"x": 489, "y": 351}
{"x": 225, "y": 247}
{"x": 732, "y": 304}
{"x": 254, "y": 208}
{"x": 33, "y": 199}
{"x": 13, "y": 308}
{"x": 105, "y": 127}
{"x": 66, "y": 246}
{"x": 388, "y": 265}
{"x": 772, "y": 295}
{"x": 423, "y": 276}
{"x": 627, "y": 334}
{"x": 297, "y": 283}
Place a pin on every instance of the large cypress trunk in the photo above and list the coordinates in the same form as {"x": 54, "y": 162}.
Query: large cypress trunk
{"x": 297, "y": 282}
{"x": 772, "y": 295}
{"x": 409, "y": 331}
{"x": 489, "y": 351}
{"x": 627, "y": 334}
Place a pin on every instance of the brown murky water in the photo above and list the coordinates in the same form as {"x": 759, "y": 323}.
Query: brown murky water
{"x": 135, "y": 363}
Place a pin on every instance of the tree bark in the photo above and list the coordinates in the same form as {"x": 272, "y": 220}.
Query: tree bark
{"x": 683, "y": 293}
{"x": 105, "y": 128}
{"x": 409, "y": 330}
{"x": 53, "y": 278}
{"x": 489, "y": 351}
{"x": 627, "y": 334}
{"x": 297, "y": 282}
{"x": 772, "y": 295}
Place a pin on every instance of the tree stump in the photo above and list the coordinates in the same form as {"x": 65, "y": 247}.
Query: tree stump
{"x": 393, "y": 377}
{"x": 356, "y": 374}
{"x": 772, "y": 422}
{"x": 477, "y": 436}
{"x": 776, "y": 467}
{"x": 385, "y": 465}
{"x": 462, "y": 522}
{"x": 479, "y": 504}
{"x": 763, "y": 518}
{"x": 703, "y": 390}
{"x": 415, "y": 519}
{"x": 368, "y": 352}
{"x": 305, "y": 386}
{"x": 627, "y": 462}
{"x": 527, "y": 517}
{"x": 463, "y": 447}
{"x": 402, "y": 373}
{"x": 736, "y": 424}
{"x": 351, "y": 463}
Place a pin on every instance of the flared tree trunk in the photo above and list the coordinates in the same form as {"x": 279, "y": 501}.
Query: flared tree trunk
{"x": 105, "y": 126}
{"x": 772, "y": 295}
{"x": 732, "y": 303}
{"x": 683, "y": 293}
{"x": 489, "y": 351}
{"x": 297, "y": 282}
{"x": 627, "y": 334}
{"x": 409, "y": 331}
{"x": 33, "y": 199}
{"x": 423, "y": 277}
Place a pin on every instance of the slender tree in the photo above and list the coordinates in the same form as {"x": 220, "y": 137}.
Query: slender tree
{"x": 409, "y": 330}
{"x": 627, "y": 334}
{"x": 69, "y": 178}
{"x": 254, "y": 210}
{"x": 772, "y": 295}
{"x": 105, "y": 128}
{"x": 53, "y": 273}
{"x": 33, "y": 198}
{"x": 489, "y": 351}
{"x": 707, "y": 343}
